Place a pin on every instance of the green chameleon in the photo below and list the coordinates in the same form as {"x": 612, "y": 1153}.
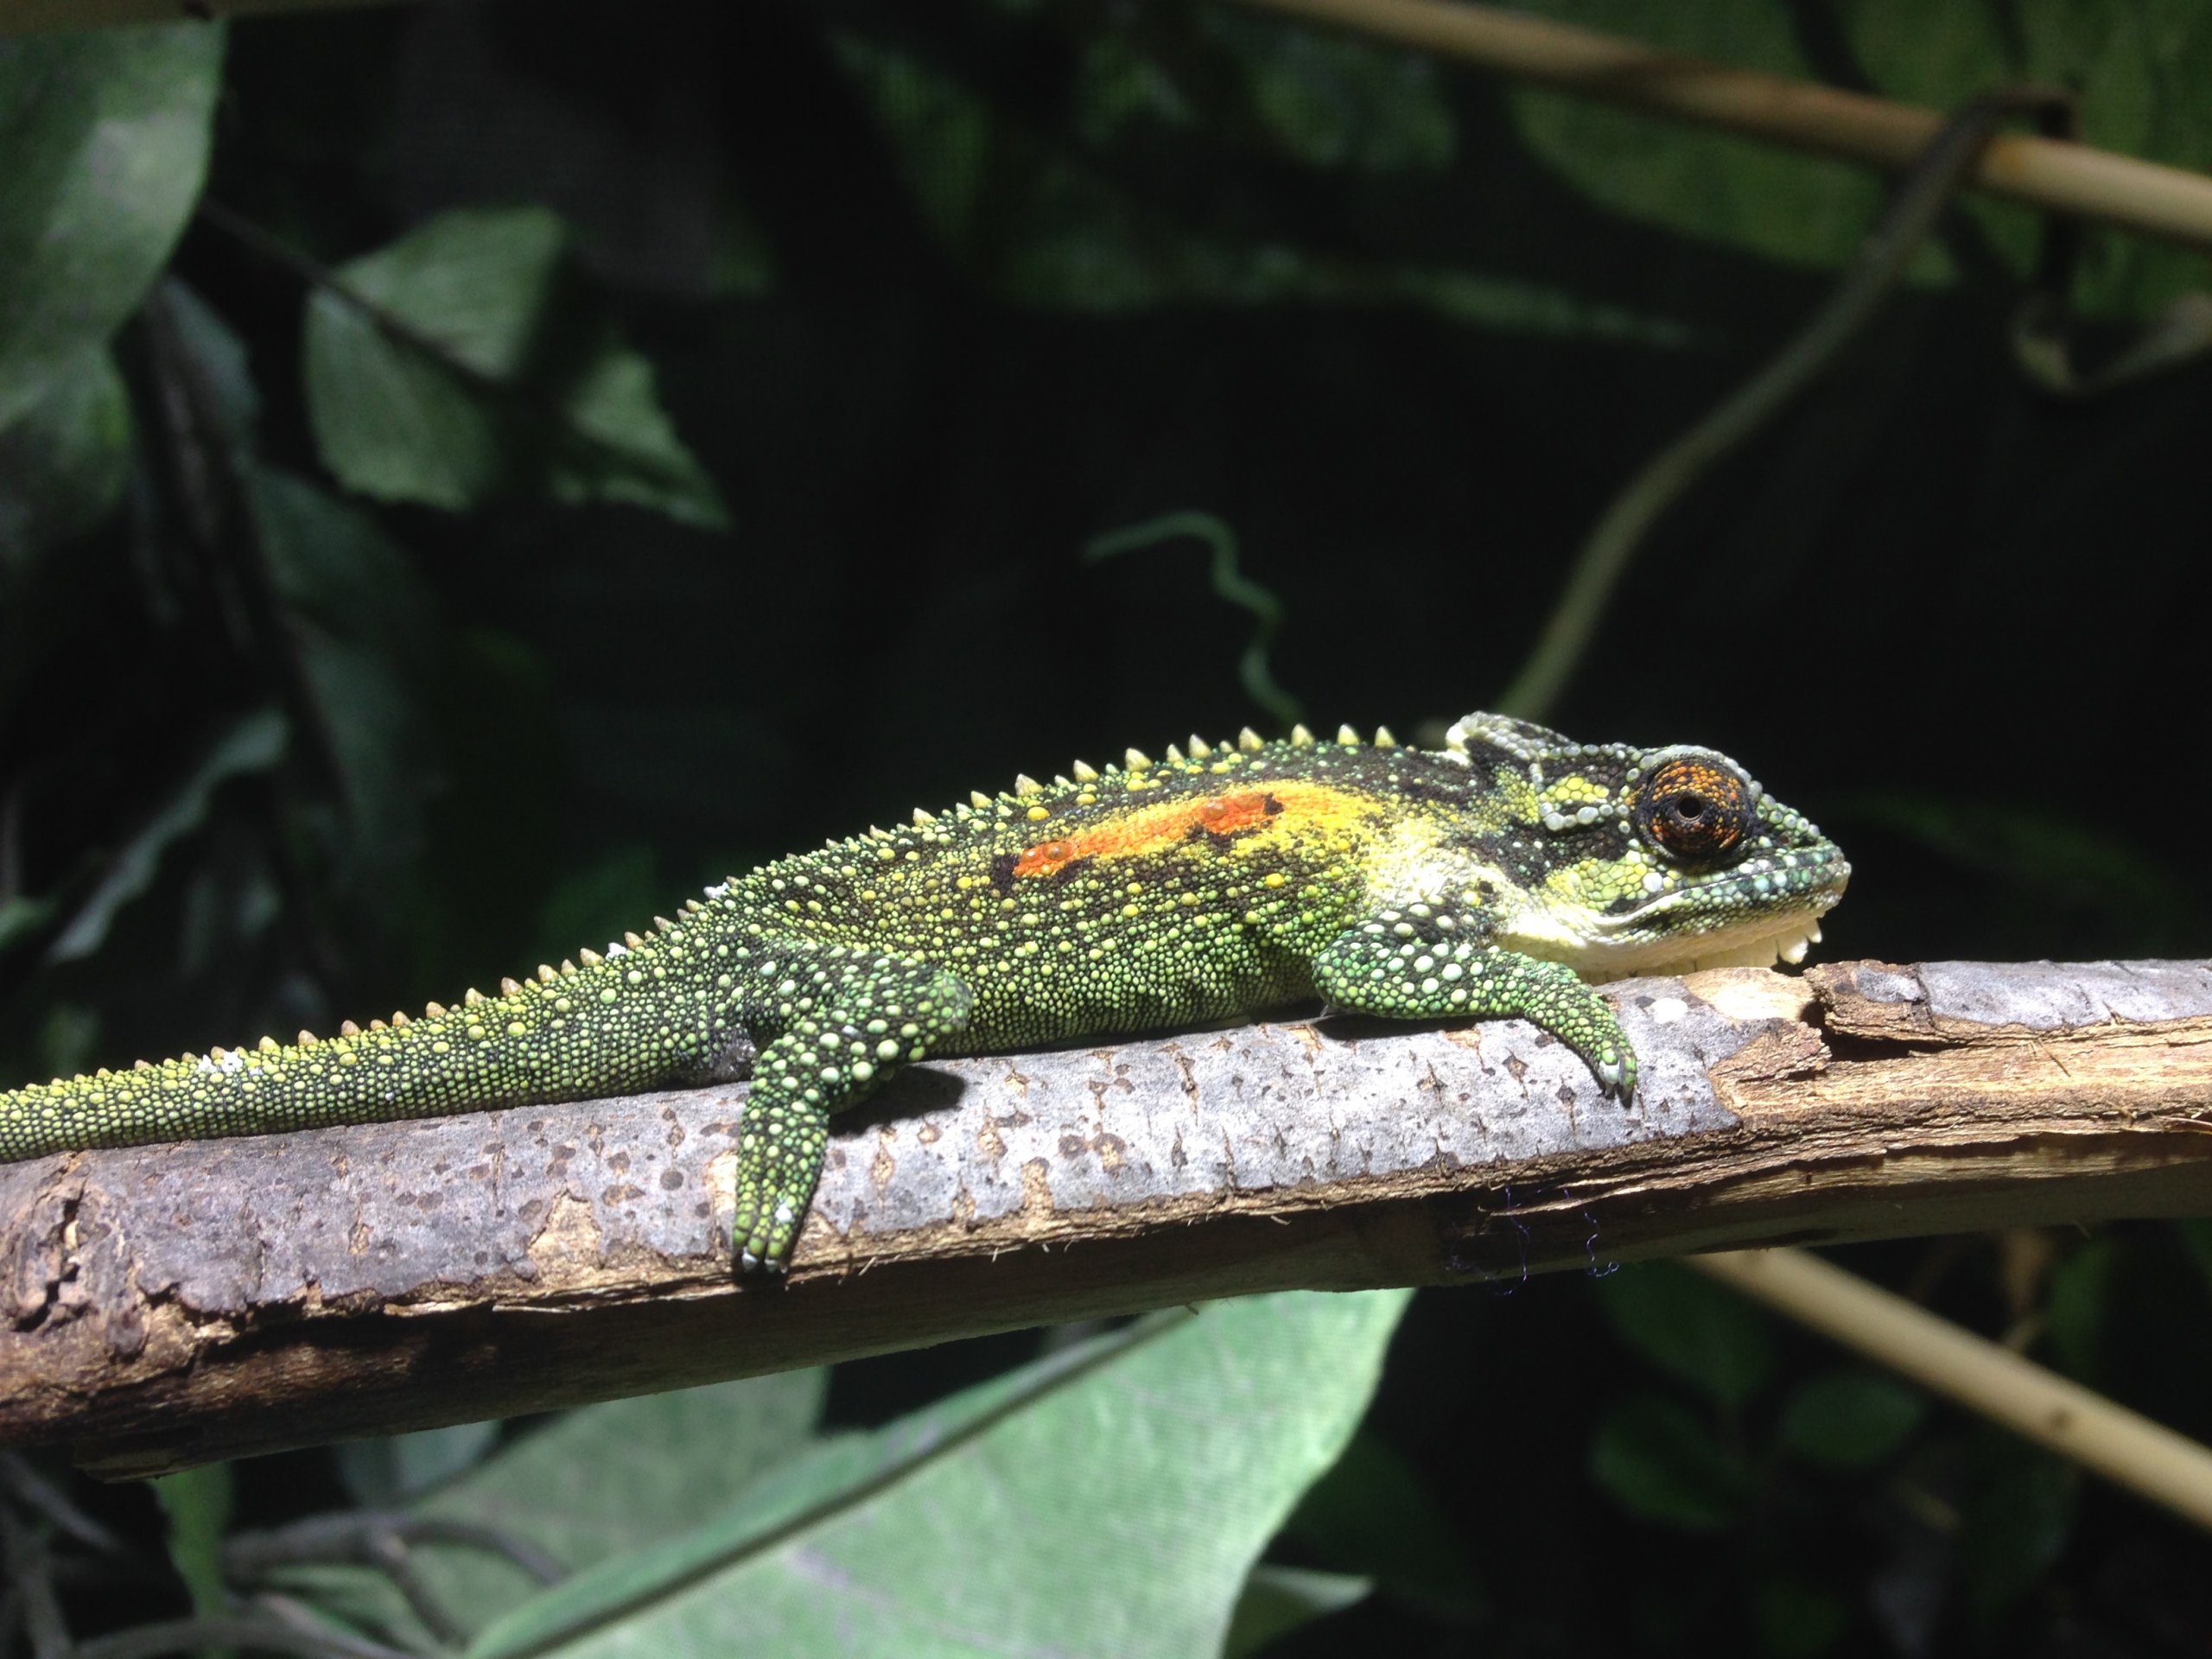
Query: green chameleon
{"x": 1489, "y": 878}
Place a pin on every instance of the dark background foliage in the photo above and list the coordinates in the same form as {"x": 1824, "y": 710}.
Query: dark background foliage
{"x": 324, "y": 688}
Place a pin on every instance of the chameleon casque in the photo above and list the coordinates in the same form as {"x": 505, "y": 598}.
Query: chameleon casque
{"x": 1492, "y": 878}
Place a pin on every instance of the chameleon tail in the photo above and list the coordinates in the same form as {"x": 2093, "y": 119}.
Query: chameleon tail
{"x": 567, "y": 1036}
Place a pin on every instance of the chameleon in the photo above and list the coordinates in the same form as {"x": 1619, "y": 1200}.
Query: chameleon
{"x": 1498, "y": 876}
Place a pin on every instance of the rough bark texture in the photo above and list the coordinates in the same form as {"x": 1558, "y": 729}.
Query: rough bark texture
{"x": 169, "y": 1306}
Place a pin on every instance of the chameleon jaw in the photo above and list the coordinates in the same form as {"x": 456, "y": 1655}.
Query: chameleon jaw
{"x": 1600, "y": 947}
{"x": 1739, "y": 949}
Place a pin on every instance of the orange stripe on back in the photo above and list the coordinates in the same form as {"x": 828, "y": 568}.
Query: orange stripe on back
{"x": 1154, "y": 829}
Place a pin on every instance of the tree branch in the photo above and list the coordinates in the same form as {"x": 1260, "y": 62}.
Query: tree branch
{"x": 172, "y": 1306}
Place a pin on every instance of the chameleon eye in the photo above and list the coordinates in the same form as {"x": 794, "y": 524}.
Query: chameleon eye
{"x": 1694, "y": 810}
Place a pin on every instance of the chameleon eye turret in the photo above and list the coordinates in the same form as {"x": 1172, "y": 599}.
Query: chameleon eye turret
{"x": 1497, "y": 876}
{"x": 1695, "y": 808}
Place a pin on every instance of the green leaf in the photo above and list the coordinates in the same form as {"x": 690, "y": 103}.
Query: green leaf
{"x": 20, "y": 917}
{"x": 579, "y": 1486}
{"x": 1108, "y": 1500}
{"x": 617, "y": 1476}
{"x": 388, "y": 1468}
{"x": 1690, "y": 1328}
{"x": 2138, "y": 67}
{"x": 1323, "y": 98}
{"x": 505, "y": 382}
{"x": 1037, "y": 225}
{"x": 1714, "y": 186}
{"x": 1280, "y": 1599}
{"x": 367, "y": 636}
{"x": 197, "y": 1502}
{"x": 105, "y": 135}
{"x": 219, "y": 358}
{"x": 1660, "y": 1461}
{"x": 66, "y": 459}
{"x": 1850, "y": 1419}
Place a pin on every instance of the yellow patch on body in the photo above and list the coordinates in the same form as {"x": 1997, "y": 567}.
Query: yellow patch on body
{"x": 1259, "y": 817}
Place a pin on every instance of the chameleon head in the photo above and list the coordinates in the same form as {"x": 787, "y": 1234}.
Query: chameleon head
{"x": 1623, "y": 860}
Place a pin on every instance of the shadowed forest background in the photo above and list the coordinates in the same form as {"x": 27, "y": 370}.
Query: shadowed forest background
{"x": 771, "y": 370}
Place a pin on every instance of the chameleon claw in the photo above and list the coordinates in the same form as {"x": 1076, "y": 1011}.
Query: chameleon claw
{"x": 760, "y": 1264}
{"x": 748, "y": 1239}
{"x": 1615, "y": 1078}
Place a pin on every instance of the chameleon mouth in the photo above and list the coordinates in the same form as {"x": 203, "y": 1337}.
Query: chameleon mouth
{"x": 1788, "y": 945}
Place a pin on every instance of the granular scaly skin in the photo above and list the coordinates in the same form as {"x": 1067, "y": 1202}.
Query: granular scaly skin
{"x": 1491, "y": 877}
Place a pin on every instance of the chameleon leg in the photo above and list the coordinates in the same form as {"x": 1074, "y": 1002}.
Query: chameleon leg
{"x": 844, "y": 1020}
{"x": 1421, "y": 963}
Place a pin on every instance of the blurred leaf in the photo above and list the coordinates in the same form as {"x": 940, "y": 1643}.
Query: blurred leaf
{"x": 605, "y": 1479}
{"x": 2132, "y": 64}
{"x": 198, "y": 1504}
{"x": 1850, "y": 1419}
{"x": 219, "y": 356}
{"x": 1120, "y": 1492}
{"x": 254, "y": 744}
{"x": 547, "y": 400}
{"x": 580, "y": 1486}
{"x": 366, "y": 643}
{"x": 385, "y": 1470}
{"x": 1714, "y": 186}
{"x": 1661, "y": 1462}
{"x": 105, "y": 135}
{"x": 20, "y": 917}
{"x": 332, "y": 561}
{"x": 65, "y": 459}
{"x": 2075, "y": 1315}
{"x": 1280, "y": 1599}
{"x": 2129, "y": 61}
{"x": 1331, "y": 99}
{"x": 2016, "y": 1523}
{"x": 1797, "y": 1619}
{"x": 1375, "y": 1514}
{"x": 1693, "y": 1329}
{"x": 1039, "y": 226}
{"x": 1323, "y": 98}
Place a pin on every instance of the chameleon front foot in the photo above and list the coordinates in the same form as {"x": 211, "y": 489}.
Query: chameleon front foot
{"x": 1424, "y": 964}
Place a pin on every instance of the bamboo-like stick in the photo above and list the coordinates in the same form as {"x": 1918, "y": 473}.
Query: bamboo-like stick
{"x": 2108, "y": 1440}
{"x": 2156, "y": 200}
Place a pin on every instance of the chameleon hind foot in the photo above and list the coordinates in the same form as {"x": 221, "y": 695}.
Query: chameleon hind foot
{"x": 845, "y": 1020}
